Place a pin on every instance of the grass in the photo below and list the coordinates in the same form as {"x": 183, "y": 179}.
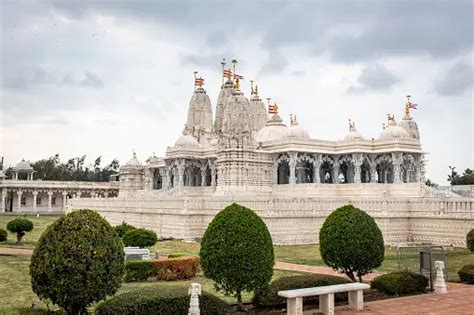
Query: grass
{"x": 29, "y": 240}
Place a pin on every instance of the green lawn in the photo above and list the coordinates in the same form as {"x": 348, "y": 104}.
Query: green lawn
{"x": 30, "y": 239}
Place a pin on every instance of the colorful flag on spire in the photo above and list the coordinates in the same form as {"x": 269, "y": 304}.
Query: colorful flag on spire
{"x": 412, "y": 105}
{"x": 198, "y": 81}
{"x": 237, "y": 76}
{"x": 227, "y": 73}
{"x": 273, "y": 109}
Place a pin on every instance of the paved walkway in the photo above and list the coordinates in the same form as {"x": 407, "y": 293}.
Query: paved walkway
{"x": 15, "y": 251}
{"x": 459, "y": 300}
{"x": 318, "y": 269}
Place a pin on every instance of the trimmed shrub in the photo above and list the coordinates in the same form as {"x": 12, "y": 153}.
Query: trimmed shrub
{"x": 268, "y": 296}
{"x": 237, "y": 252}
{"x": 140, "y": 237}
{"x": 466, "y": 274}
{"x": 77, "y": 261}
{"x": 470, "y": 240}
{"x": 160, "y": 300}
{"x": 177, "y": 255}
{"x": 400, "y": 283}
{"x": 19, "y": 226}
{"x": 184, "y": 267}
{"x": 123, "y": 228}
{"x": 351, "y": 242}
{"x": 3, "y": 235}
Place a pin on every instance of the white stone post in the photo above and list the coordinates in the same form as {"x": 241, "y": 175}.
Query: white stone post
{"x": 316, "y": 168}
{"x": 50, "y": 196}
{"x": 335, "y": 171}
{"x": 294, "y": 306}
{"x": 397, "y": 160}
{"x": 4, "y": 197}
{"x": 213, "y": 176}
{"x": 194, "y": 291}
{"x": 275, "y": 173}
{"x": 440, "y": 284}
{"x": 35, "y": 199}
{"x": 64, "y": 200}
{"x": 292, "y": 165}
{"x": 357, "y": 160}
{"x": 203, "y": 176}
{"x": 18, "y": 206}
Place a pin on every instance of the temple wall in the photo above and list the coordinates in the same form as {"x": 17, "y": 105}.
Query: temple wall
{"x": 295, "y": 217}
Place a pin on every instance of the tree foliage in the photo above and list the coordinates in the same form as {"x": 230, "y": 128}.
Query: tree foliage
{"x": 140, "y": 238}
{"x": 470, "y": 240}
{"x": 123, "y": 228}
{"x": 19, "y": 226}
{"x": 351, "y": 242}
{"x": 3, "y": 235}
{"x": 467, "y": 178}
{"x": 74, "y": 169}
{"x": 237, "y": 251}
{"x": 77, "y": 261}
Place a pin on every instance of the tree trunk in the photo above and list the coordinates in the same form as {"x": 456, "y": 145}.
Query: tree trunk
{"x": 360, "y": 277}
{"x": 350, "y": 274}
{"x": 18, "y": 238}
{"x": 240, "y": 306}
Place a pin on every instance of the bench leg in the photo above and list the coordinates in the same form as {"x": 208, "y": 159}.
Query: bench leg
{"x": 294, "y": 306}
{"x": 326, "y": 303}
{"x": 356, "y": 300}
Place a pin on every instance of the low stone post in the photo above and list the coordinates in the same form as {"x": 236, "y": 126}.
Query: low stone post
{"x": 440, "y": 284}
{"x": 194, "y": 291}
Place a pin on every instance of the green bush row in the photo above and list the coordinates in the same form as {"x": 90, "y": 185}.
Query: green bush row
{"x": 268, "y": 297}
{"x": 184, "y": 267}
{"x": 152, "y": 300}
{"x": 3, "y": 235}
{"x": 400, "y": 283}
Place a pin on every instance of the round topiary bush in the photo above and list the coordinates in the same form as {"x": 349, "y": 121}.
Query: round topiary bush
{"x": 3, "y": 235}
{"x": 237, "y": 251}
{"x": 19, "y": 226}
{"x": 77, "y": 261}
{"x": 466, "y": 274}
{"x": 123, "y": 228}
{"x": 140, "y": 238}
{"x": 470, "y": 240}
{"x": 351, "y": 242}
{"x": 399, "y": 283}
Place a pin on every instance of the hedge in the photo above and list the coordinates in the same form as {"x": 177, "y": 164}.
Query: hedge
{"x": 3, "y": 235}
{"x": 268, "y": 297}
{"x": 399, "y": 283}
{"x": 470, "y": 240}
{"x": 167, "y": 269}
{"x": 466, "y": 274}
{"x": 159, "y": 300}
{"x": 140, "y": 237}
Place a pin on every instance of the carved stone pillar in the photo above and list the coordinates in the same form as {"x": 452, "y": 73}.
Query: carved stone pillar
{"x": 292, "y": 165}
{"x": 275, "y": 172}
{"x": 335, "y": 170}
{"x": 316, "y": 168}
{"x": 64, "y": 193}
{"x": 203, "y": 176}
{"x": 164, "y": 178}
{"x": 213, "y": 176}
{"x": 19, "y": 193}
{"x": 181, "y": 170}
{"x": 4, "y": 197}
{"x": 357, "y": 160}
{"x": 50, "y": 198}
{"x": 35, "y": 197}
{"x": 397, "y": 160}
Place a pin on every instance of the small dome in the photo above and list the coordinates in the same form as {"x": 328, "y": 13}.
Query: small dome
{"x": 133, "y": 162}
{"x": 393, "y": 131}
{"x": 353, "y": 134}
{"x": 275, "y": 129}
{"x": 410, "y": 126}
{"x": 295, "y": 131}
{"x": 187, "y": 141}
{"x": 23, "y": 165}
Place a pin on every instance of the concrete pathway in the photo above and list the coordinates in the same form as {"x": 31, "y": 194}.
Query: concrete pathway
{"x": 15, "y": 251}
{"x": 459, "y": 300}
{"x": 318, "y": 269}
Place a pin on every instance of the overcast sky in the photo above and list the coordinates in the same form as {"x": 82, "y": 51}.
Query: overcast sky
{"x": 108, "y": 77}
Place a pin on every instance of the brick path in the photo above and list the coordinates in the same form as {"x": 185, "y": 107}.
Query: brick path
{"x": 16, "y": 251}
{"x": 317, "y": 269}
{"x": 459, "y": 300}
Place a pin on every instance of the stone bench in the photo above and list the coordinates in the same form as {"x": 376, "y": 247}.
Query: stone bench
{"x": 294, "y": 298}
{"x": 136, "y": 253}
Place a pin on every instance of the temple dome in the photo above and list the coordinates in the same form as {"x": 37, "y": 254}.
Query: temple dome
{"x": 353, "y": 134}
{"x": 187, "y": 141}
{"x": 133, "y": 162}
{"x": 275, "y": 129}
{"x": 410, "y": 126}
{"x": 23, "y": 166}
{"x": 393, "y": 131}
{"x": 296, "y": 131}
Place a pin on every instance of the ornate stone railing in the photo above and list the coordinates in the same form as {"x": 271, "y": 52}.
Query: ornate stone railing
{"x": 57, "y": 184}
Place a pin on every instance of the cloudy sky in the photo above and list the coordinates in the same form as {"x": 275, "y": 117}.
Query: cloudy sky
{"x": 108, "y": 77}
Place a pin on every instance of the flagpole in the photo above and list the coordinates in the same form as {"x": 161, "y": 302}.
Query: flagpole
{"x": 223, "y": 66}
{"x": 195, "y": 77}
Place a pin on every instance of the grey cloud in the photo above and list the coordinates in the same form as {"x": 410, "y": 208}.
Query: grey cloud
{"x": 457, "y": 80}
{"x": 374, "y": 77}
